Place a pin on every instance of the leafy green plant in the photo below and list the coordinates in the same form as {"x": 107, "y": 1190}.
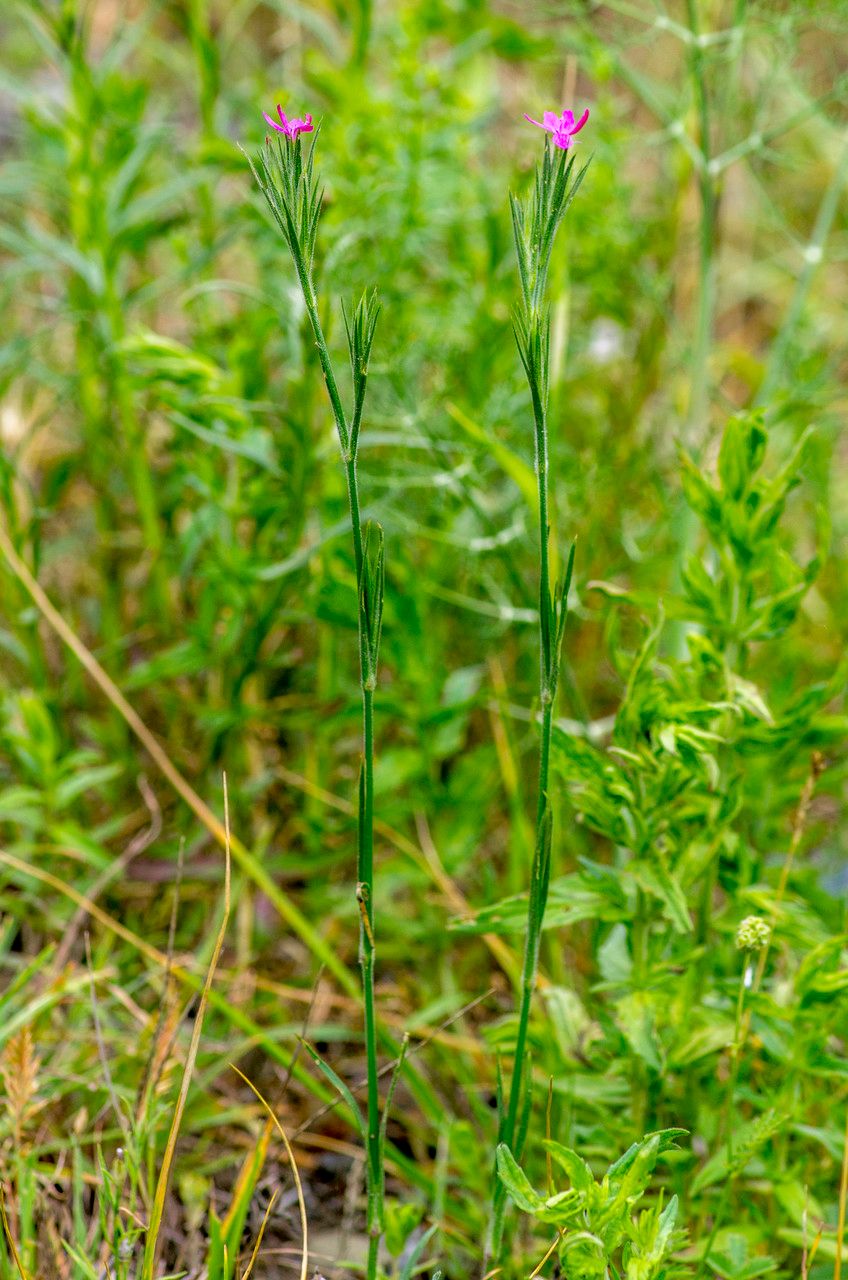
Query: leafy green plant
{"x": 598, "y": 1229}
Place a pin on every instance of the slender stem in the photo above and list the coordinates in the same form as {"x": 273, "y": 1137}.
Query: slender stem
{"x": 699, "y": 398}
{"x": 778, "y": 367}
{"x": 544, "y": 762}
{"x": 544, "y": 580}
{"x": 539, "y": 883}
{"x": 329, "y": 376}
{"x": 532, "y": 939}
{"x": 739, "y": 1036}
{"x": 365, "y": 875}
{"x": 363, "y": 33}
{"x": 356, "y": 529}
{"x": 205, "y": 56}
{"x": 373, "y": 1249}
{"x": 697, "y": 416}
{"x": 738, "y": 1041}
{"x": 365, "y": 854}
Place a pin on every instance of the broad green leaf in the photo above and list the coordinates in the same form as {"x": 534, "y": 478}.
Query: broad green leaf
{"x": 635, "y": 1016}
{"x": 515, "y": 1180}
{"x": 614, "y": 959}
{"x": 667, "y": 1141}
{"x": 579, "y": 1173}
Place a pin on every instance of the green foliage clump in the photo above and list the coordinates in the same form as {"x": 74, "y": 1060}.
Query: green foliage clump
{"x": 597, "y": 1225}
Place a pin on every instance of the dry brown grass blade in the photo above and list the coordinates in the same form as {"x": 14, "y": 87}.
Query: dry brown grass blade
{"x": 304, "y": 1226}
{"x": 843, "y": 1201}
{"x": 246, "y": 860}
{"x": 157, "y": 1210}
{"x": 255, "y": 1254}
{"x": 7, "y": 1231}
{"x": 258, "y": 1157}
{"x": 539, "y": 1265}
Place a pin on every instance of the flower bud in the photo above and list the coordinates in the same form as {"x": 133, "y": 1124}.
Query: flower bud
{"x": 753, "y": 934}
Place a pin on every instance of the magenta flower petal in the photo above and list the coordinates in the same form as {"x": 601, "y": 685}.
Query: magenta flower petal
{"x": 291, "y": 128}
{"x": 563, "y": 127}
{"x": 300, "y": 126}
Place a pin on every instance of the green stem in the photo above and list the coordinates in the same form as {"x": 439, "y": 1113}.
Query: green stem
{"x": 363, "y": 33}
{"x": 639, "y": 942}
{"x": 778, "y": 368}
{"x": 537, "y": 902}
{"x": 538, "y": 898}
{"x": 699, "y": 397}
{"x": 373, "y": 1250}
{"x": 356, "y": 528}
{"x": 206, "y": 64}
{"x": 735, "y": 1053}
{"x": 544, "y": 598}
{"x": 311, "y": 303}
{"x": 375, "y": 1176}
{"x": 365, "y": 892}
{"x": 538, "y": 892}
{"x": 736, "y": 1050}
{"x": 699, "y": 385}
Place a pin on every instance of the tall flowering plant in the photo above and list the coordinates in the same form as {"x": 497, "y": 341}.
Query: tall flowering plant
{"x": 535, "y": 222}
{"x": 285, "y": 174}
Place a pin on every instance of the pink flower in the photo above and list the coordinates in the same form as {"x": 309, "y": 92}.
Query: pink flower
{"x": 291, "y": 128}
{"x": 562, "y": 127}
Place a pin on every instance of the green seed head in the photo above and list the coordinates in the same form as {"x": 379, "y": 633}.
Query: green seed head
{"x": 753, "y": 934}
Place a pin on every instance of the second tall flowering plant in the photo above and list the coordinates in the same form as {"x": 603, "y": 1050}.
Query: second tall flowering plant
{"x": 284, "y": 172}
{"x": 535, "y": 222}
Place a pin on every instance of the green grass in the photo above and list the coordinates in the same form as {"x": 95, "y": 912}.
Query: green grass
{"x": 194, "y": 583}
